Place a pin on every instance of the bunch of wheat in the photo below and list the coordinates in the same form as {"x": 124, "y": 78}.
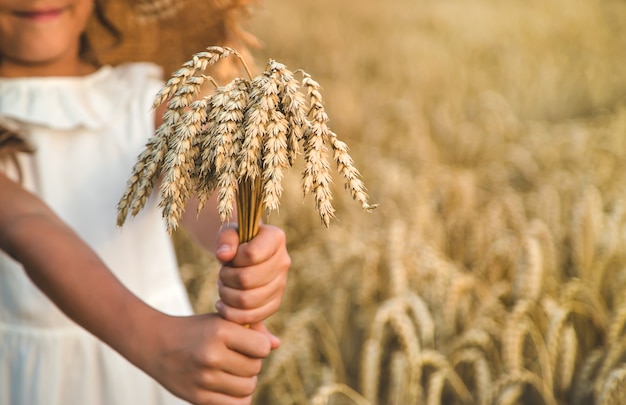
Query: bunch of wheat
{"x": 239, "y": 140}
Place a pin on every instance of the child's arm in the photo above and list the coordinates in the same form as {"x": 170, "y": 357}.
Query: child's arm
{"x": 203, "y": 359}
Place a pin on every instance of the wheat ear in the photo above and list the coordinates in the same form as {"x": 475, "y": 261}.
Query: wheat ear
{"x": 316, "y": 177}
{"x": 586, "y": 376}
{"x": 180, "y": 90}
{"x": 520, "y": 326}
{"x": 223, "y": 142}
{"x": 144, "y": 173}
{"x": 293, "y": 105}
{"x": 613, "y": 391}
{"x": 179, "y": 163}
{"x": 275, "y": 147}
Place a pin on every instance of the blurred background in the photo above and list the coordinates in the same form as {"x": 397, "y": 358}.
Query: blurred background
{"x": 493, "y": 136}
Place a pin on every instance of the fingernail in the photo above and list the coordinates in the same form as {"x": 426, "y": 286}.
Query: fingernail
{"x": 219, "y": 305}
{"x": 277, "y": 342}
{"x": 223, "y": 249}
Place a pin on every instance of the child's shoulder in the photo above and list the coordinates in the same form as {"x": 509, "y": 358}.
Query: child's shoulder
{"x": 137, "y": 72}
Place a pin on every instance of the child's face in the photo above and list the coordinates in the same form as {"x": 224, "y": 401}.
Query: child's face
{"x": 35, "y": 32}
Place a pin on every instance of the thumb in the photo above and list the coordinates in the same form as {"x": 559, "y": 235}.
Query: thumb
{"x": 227, "y": 244}
{"x": 274, "y": 340}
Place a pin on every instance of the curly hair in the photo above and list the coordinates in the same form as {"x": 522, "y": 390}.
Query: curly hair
{"x": 12, "y": 143}
{"x": 86, "y": 50}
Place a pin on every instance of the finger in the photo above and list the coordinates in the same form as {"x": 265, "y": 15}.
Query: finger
{"x": 250, "y": 343}
{"x": 249, "y": 316}
{"x": 227, "y": 244}
{"x": 247, "y": 278}
{"x": 226, "y": 384}
{"x": 251, "y": 298}
{"x": 255, "y": 276}
{"x": 265, "y": 245}
{"x": 216, "y": 398}
{"x": 232, "y": 362}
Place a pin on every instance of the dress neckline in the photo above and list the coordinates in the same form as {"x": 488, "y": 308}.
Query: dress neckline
{"x": 69, "y": 102}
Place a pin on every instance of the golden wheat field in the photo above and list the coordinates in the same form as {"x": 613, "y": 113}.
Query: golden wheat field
{"x": 493, "y": 136}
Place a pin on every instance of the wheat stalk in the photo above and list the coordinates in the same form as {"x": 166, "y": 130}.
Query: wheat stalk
{"x": 296, "y": 337}
{"x": 370, "y": 369}
{"x": 530, "y": 273}
{"x": 399, "y": 379}
{"x": 564, "y": 373}
{"x": 392, "y": 313}
{"x": 398, "y": 283}
{"x": 441, "y": 372}
{"x": 617, "y": 329}
{"x": 437, "y": 383}
{"x": 609, "y": 248}
{"x": 520, "y": 327}
{"x": 329, "y": 346}
{"x": 422, "y": 318}
{"x": 518, "y": 380}
{"x": 428, "y": 360}
{"x": 477, "y": 365}
{"x": 240, "y": 139}
{"x": 585, "y": 226}
{"x": 478, "y": 339}
{"x": 562, "y": 344}
{"x": 455, "y": 305}
{"x": 325, "y": 393}
{"x": 613, "y": 358}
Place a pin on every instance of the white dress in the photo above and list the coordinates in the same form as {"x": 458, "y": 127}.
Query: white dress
{"x": 87, "y": 132}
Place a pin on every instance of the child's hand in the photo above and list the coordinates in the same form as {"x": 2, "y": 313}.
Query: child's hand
{"x": 253, "y": 275}
{"x": 206, "y": 359}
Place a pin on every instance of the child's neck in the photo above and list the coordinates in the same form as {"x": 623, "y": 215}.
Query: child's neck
{"x": 9, "y": 68}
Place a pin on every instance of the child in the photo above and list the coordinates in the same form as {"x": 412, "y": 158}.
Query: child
{"x": 66, "y": 264}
